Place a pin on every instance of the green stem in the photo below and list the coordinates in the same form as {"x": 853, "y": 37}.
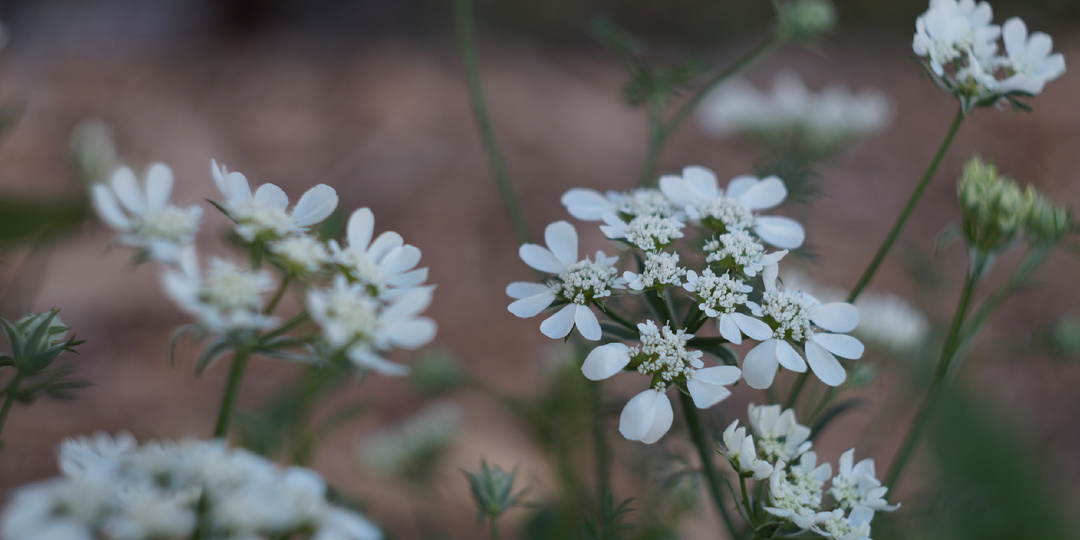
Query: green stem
{"x": 494, "y": 528}
{"x": 600, "y": 447}
{"x": 232, "y": 389}
{"x": 284, "y": 286}
{"x": 616, "y": 317}
{"x": 705, "y": 452}
{"x": 746, "y": 501}
{"x": 9, "y": 400}
{"x": 656, "y": 142}
{"x": 948, "y": 351}
{"x": 463, "y": 24}
{"x": 796, "y": 390}
{"x": 665, "y": 130}
{"x": 872, "y": 268}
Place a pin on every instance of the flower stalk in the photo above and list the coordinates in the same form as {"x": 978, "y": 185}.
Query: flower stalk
{"x": 232, "y": 390}
{"x": 705, "y": 452}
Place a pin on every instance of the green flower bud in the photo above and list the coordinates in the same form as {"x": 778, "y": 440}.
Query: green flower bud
{"x": 493, "y": 490}
{"x": 802, "y": 19}
{"x": 1047, "y": 221}
{"x": 995, "y": 209}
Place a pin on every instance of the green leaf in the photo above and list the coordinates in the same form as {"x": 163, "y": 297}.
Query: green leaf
{"x": 25, "y": 219}
{"x": 216, "y": 349}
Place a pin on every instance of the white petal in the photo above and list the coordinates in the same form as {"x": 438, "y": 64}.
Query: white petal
{"x": 759, "y": 365}
{"x": 559, "y": 325}
{"x": 824, "y": 364}
{"x": 561, "y": 239}
{"x": 400, "y": 259}
{"x": 780, "y": 231}
{"x": 841, "y": 345}
{"x": 540, "y": 258}
{"x": 646, "y": 417}
{"x": 789, "y": 357}
{"x": 679, "y": 191}
{"x": 218, "y": 173}
{"x": 729, "y": 329}
{"x": 1014, "y": 34}
{"x": 605, "y": 361}
{"x": 384, "y": 244}
{"x": 835, "y": 316}
{"x": 127, "y": 190}
{"x": 755, "y": 328}
{"x": 586, "y": 204}
{"x": 271, "y": 196}
{"x": 315, "y": 205}
{"x": 767, "y": 193}
{"x": 376, "y": 363}
{"x": 739, "y": 185}
{"x": 339, "y": 524}
{"x": 107, "y": 208}
{"x": 412, "y": 334}
{"x": 530, "y": 306}
{"x": 708, "y": 386}
{"x": 360, "y": 229}
{"x": 587, "y": 324}
{"x": 159, "y": 184}
{"x": 702, "y": 180}
{"x": 409, "y": 279}
{"x": 237, "y": 190}
{"x": 525, "y": 289}
{"x": 408, "y": 304}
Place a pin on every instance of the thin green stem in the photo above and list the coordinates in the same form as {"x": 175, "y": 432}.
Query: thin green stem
{"x": 662, "y": 131}
{"x": 705, "y": 452}
{"x": 494, "y": 528}
{"x": 232, "y": 389}
{"x": 948, "y": 351}
{"x": 463, "y": 24}
{"x": 284, "y": 286}
{"x": 600, "y": 447}
{"x": 616, "y": 317}
{"x": 746, "y": 501}
{"x": 882, "y": 251}
{"x": 656, "y": 142}
{"x": 9, "y": 399}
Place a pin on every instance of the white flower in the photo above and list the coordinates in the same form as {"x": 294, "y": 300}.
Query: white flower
{"x": 779, "y": 435}
{"x": 649, "y": 232}
{"x": 143, "y": 213}
{"x": 792, "y": 315}
{"x": 385, "y": 265}
{"x": 646, "y": 417}
{"x": 795, "y": 492}
{"x": 80, "y": 456}
{"x": 579, "y": 283}
{"x": 1028, "y": 59}
{"x": 720, "y": 296}
{"x": 708, "y": 386}
{"x": 301, "y": 254}
{"x": 698, "y": 191}
{"x": 262, "y": 215}
{"x": 661, "y": 269}
{"x": 840, "y": 527}
{"x": 57, "y": 509}
{"x": 353, "y": 320}
{"x": 739, "y": 449}
{"x": 226, "y": 298}
{"x": 341, "y": 524}
{"x": 856, "y": 485}
{"x": 951, "y": 29}
{"x": 890, "y": 322}
{"x": 740, "y": 251}
{"x": 591, "y": 205}
{"x": 149, "y": 513}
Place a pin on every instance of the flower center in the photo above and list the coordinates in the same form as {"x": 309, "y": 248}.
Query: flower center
{"x": 266, "y": 221}
{"x": 356, "y": 314}
{"x": 585, "y": 280}
{"x": 169, "y": 223}
{"x": 641, "y": 202}
{"x": 652, "y": 232}
{"x": 788, "y": 314}
{"x": 302, "y": 252}
{"x": 230, "y": 289}
{"x": 363, "y": 270}
{"x": 721, "y": 293}
{"x": 663, "y": 355}
{"x": 662, "y": 269}
{"x": 725, "y": 215}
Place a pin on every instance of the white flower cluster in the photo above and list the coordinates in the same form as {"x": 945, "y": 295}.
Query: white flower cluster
{"x": 777, "y": 451}
{"x": 111, "y": 488}
{"x": 959, "y": 46}
{"x": 735, "y": 286}
{"x": 828, "y": 119}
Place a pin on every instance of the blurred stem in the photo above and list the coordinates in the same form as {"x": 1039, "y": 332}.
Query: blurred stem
{"x": 284, "y": 286}
{"x": 600, "y": 447}
{"x": 9, "y": 400}
{"x": 494, "y": 528}
{"x": 463, "y": 25}
{"x": 948, "y": 352}
{"x": 232, "y": 389}
{"x": 746, "y": 501}
{"x": 616, "y": 317}
{"x": 661, "y": 131}
{"x": 705, "y": 452}
{"x": 872, "y": 268}
{"x": 796, "y": 389}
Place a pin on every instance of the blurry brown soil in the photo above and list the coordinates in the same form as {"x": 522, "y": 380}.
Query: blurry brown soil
{"x": 388, "y": 125}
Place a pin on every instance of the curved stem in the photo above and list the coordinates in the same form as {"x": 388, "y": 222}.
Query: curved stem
{"x": 883, "y": 250}
{"x": 232, "y": 389}
{"x": 705, "y": 452}
{"x": 948, "y": 351}
{"x": 9, "y": 400}
{"x": 284, "y": 286}
{"x": 463, "y": 25}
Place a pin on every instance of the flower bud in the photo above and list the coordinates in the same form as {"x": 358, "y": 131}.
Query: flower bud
{"x": 493, "y": 490}
{"x": 802, "y": 19}
{"x": 995, "y": 209}
{"x": 1047, "y": 221}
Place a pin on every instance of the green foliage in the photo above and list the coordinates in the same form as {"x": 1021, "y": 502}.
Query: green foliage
{"x": 611, "y": 525}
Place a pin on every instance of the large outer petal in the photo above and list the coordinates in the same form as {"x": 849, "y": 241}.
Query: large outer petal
{"x": 755, "y": 328}
{"x": 530, "y": 306}
{"x": 789, "y": 357}
{"x": 400, "y": 259}
{"x": 525, "y": 289}
{"x": 703, "y": 181}
{"x": 708, "y": 386}
{"x": 126, "y": 188}
{"x": 835, "y": 316}
{"x": 540, "y": 258}
{"x": 646, "y": 417}
{"x": 605, "y": 361}
{"x": 159, "y": 184}
{"x": 315, "y": 205}
{"x": 729, "y": 329}
{"x": 559, "y": 325}
{"x": 759, "y": 365}
{"x": 360, "y": 229}
{"x": 586, "y": 204}
{"x": 107, "y": 208}
{"x": 766, "y": 193}
{"x": 782, "y": 232}
{"x": 384, "y": 244}
{"x": 272, "y": 196}
{"x": 587, "y": 324}
{"x": 740, "y": 185}
{"x": 841, "y": 345}
{"x": 561, "y": 239}
{"x": 824, "y": 364}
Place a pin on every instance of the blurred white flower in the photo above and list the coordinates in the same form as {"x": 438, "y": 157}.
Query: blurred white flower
{"x": 720, "y": 297}
{"x": 1028, "y": 61}
{"x": 225, "y": 298}
{"x": 779, "y": 436}
{"x": 262, "y": 215}
{"x": 795, "y": 492}
{"x": 590, "y": 205}
{"x": 856, "y": 485}
{"x": 302, "y": 254}
{"x": 410, "y": 449}
{"x": 739, "y": 449}
{"x": 661, "y": 269}
{"x": 385, "y": 265}
{"x": 143, "y": 214}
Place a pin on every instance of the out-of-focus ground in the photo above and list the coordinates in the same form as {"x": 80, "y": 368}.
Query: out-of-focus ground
{"x": 387, "y": 124}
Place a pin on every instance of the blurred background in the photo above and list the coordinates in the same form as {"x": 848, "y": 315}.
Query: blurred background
{"x": 368, "y": 96}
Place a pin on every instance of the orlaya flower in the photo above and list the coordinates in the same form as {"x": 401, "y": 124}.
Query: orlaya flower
{"x": 721, "y": 297}
{"x": 578, "y": 283}
{"x": 262, "y": 215}
{"x": 793, "y": 317}
{"x": 143, "y": 213}
{"x": 225, "y": 298}
{"x": 698, "y": 191}
{"x": 591, "y": 205}
{"x": 1028, "y": 59}
{"x": 386, "y": 265}
{"x": 856, "y": 485}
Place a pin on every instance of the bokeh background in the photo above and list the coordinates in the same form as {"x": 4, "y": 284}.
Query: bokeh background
{"x": 368, "y": 96}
